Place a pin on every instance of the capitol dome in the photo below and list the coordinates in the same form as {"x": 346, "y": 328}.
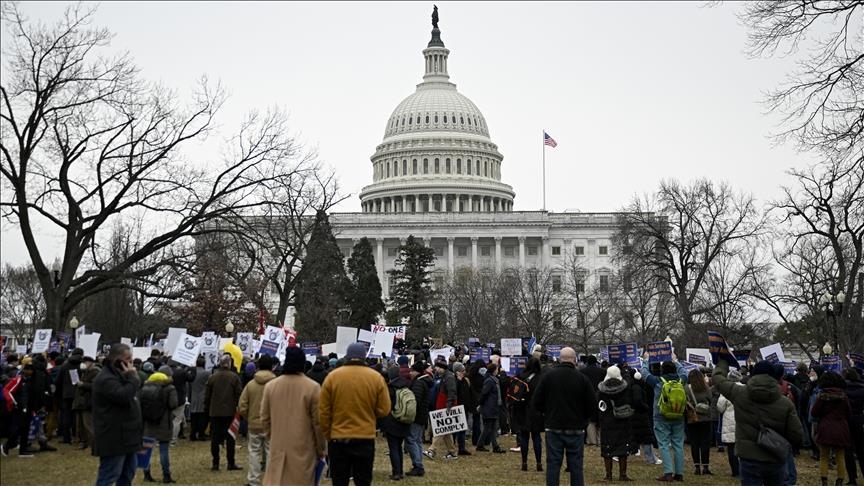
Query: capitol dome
{"x": 436, "y": 155}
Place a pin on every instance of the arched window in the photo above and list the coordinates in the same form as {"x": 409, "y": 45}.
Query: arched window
{"x": 458, "y": 166}
{"x": 485, "y": 169}
{"x": 436, "y": 118}
{"x": 425, "y": 166}
{"x": 427, "y": 119}
{"x": 404, "y": 167}
{"x": 437, "y": 166}
{"x": 469, "y": 120}
{"x": 445, "y": 118}
{"x": 409, "y": 120}
{"x": 453, "y": 118}
{"x": 468, "y": 167}
{"x": 447, "y": 166}
{"x": 418, "y": 119}
{"x": 461, "y": 120}
{"x": 477, "y": 167}
{"x": 403, "y": 121}
{"x": 388, "y": 169}
{"x": 414, "y": 166}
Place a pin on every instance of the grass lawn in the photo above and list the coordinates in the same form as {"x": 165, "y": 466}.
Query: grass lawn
{"x": 191, "y": 465}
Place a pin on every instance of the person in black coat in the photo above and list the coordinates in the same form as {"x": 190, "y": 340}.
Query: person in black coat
{"x": 318, "y": 372}
{"x": 642, "y": 423}
{"x": 476, "y": 374}
{"x": 616, "y": 405}
{"x": 595, "y": 374}
{"x": 421, "y": 386}
{"x": 117, "y": 424}
{"x": 490, "y": 409}
{"x": 527, "y": 421}
{"x": 855, "y": 393}
{"x": 394, "y": 430}
{"x": 464, "y": 396}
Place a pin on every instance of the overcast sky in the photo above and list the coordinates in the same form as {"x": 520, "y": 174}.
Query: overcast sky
{"x": 633, "y": 92}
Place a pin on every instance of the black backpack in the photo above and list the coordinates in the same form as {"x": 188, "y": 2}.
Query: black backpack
{"x": 152, "y": 404}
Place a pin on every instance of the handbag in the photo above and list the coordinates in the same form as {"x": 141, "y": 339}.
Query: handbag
{"x": 772, "y": 441}
{"x": 691, "y": 415}
{"x": 695, "y": 410}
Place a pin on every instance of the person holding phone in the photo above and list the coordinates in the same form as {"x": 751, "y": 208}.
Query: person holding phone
{"x": 117, "y": 426}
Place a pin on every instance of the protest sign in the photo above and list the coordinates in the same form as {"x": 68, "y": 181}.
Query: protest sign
{"x": 772, "y": 348}
{"x": 697, "y": 359}
{"x": 224, "y": 342}
{"x": 517, "y": 365}
{"x": 742, "y": 355}
{"x": 187, "y": 350}
{"x": 832, "y": 363}
{"x": 688, "y": 366}
{"x": 41, "y": 340}
{"x": 659, "y": 351}
{"x": 448, "y": 421}
{"x": 622, "y": 353}
{"x": 256, "y": 346}
{"x": 211, "y": 360}
{"x": 772, "y": 358}
{"x": 504, "y": 364}
{"x": 788, "y": 367}
{"x": 604, "y": 354}
{"x": 719, "y": 349}
{"x": 126, "y": 341}
{"x": 21, "y": 349}
{"x": 54, "y": 346}
{"x": 554, "y": 350}
{"x": 82, "y": 330}
{"x": 73, "y": 377}
{"x": 857, "y": 360}
{"x": 399, "y": 331}
{"x": 271, "y": 339}
{"x": 365, "y": 336}
{"x": 209, "y": 342}
{"x": 171, "y": 339}
{"x": 311, "y": 348}
{"x": 441, "y": 353}
{"x": 90, "y": 344}
{"x": 244, "y": 342}
{"x": 141, "y": 352}
{"x": 480, "y": 353}
{"x": 328, "y": 348}
{"x": 383, "y": 344}
{"x": 511, "y": 347}
{"x": 704, "y": 356}
{"x": 345, "y": 336}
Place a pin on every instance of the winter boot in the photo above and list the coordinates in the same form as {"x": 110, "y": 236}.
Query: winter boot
{"x": 607, "y": 462}
{"x": 622, "y": 469}
{"x": 148, "y": 478}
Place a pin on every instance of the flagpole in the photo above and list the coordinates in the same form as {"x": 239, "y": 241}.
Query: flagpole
{"x": 543, "y": 141}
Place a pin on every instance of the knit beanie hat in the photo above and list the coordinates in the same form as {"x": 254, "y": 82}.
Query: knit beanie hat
{"x": 403, "y": 360}
{"x": 762, "y": 368}
{"x": 166, "y": 370}
{"x": 613, "y": 372}
{"x": 356, "y": 351}
{"x": 295, "y": 360}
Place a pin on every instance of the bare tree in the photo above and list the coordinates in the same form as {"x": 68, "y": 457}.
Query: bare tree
{"x": 645, "y": 308}
{"x": 86, "y": 141}
{"x": 539, "y": 304}
{"x": 22, "y": 308}
{"x": 590, "y": 315}
{"x": 823, "y": 98}
{"x": 677, "y": 235}
{"x": 478, "y": 303}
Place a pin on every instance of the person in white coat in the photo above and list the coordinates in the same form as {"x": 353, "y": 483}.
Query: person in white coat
{"x": 727, "y": 425}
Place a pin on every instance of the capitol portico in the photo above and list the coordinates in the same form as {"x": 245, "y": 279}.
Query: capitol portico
{"x": 437, "y": 175}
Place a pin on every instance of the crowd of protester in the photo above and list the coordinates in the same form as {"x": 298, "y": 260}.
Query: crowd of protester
{"x": 111, "y": 403}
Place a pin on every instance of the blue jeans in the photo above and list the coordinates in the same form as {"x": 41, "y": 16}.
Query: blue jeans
{"x": 119, "y": 470}
{"x": 670, "y": 434}
{"x": 556, "y": 446}
{"x": 415, "y": 446}
{"x": 164, "y": 458}
{"x": 394, "y": 444}
{"x": 758, "y": 473}
{"x": 490, "y": 433}
{"x": 792, "y": 470}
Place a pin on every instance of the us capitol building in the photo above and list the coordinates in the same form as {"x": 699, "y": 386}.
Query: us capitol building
{"x": 437, "y": 175}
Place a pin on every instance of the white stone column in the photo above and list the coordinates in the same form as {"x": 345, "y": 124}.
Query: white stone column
{"x": 456, "y": 201}
{"x": 450, "y": 259}
{"x": 474, "y": 252}
{"x": 379, "y": 263}
{"x": 521, "y": 252}
{"x": 431, "y": 203}
{"x": 544, "y": 258}
{"x": 498, "y": 256}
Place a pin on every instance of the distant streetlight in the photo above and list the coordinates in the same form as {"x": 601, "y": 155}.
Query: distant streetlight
{"x": 833, "y": 304}
{"x": 826, "y": 350}
{"x": 229, "y": 328}
{"x": 73, "y": 323}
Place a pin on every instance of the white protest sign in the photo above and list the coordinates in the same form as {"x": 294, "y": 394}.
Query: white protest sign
{"x": 772, "y": 349}
{"x": 256, "y": 346}
{"x": 41, "y": 340}
{"x": 73, "y": 377}
{"x": 244, "y": 342}
{"x": 328, "y": 348}
{"x": 187, "y": 350}
{"x": 399, "y": 331}
{"x": 209, "y": 342}
{"x": 80, "y": 332}
{"x": 504, "y": 361}
{"x": 90, "y": 344}
{"x": 21, "y": 349}
{"x": 511, "y": 347}
{"x": 444, "y": 353}
{"x": 211, "y": 360}
{"x": 448, "y": 422}
{"x": 126, "y": 341}
{"x": 174, "y": 334}
{"x": 345, "y": 336}
{"x": 366, "y": 336}
{"x": 141, "y": 352}
{"x": 383, "y": 344}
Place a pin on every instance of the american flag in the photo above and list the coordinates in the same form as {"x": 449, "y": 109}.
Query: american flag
{"x": 547, "y": 140}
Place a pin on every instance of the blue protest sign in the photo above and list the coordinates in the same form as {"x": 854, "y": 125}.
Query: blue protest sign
{"x": 688, "y": 366}
{"x": 623, "y": 353}
{"x": 832, "y": 363}
{"x": 480, "y": 354}
{"x": 554, "y": 350}
{"x": 857, "y": 360}
{"x": 269, "y": 348}
{"x": 659, "y": 351}
{"x": 772, "y": 358}
{"x": 311, "y": 348}
{"x": 517, "y": 365}
{"x": 788, "y": 367}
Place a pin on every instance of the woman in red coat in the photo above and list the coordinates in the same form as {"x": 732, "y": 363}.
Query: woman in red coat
{"x": 832, "y": 411}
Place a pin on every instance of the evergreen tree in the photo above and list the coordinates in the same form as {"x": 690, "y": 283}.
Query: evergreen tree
{"x": 322, "y": 286}
{"x": 365, "y": 298}
{"x": 412, "y": 294}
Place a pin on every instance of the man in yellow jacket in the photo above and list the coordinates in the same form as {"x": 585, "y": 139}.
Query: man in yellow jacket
{"x": 353, "y": 397}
